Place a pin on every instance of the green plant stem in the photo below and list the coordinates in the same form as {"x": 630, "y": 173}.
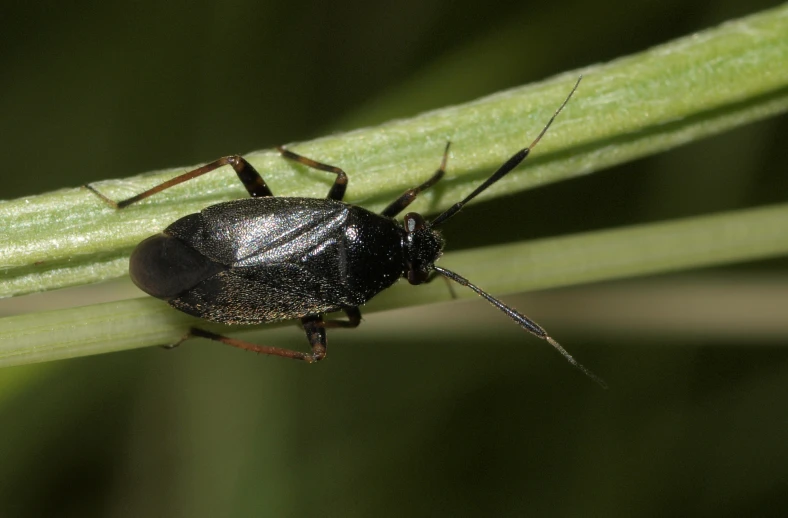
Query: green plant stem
{"x": 634, "y": 106}
{"x": 644, "y": 249}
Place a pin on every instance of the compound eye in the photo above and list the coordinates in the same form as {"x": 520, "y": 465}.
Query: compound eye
{"x": 414, "y": 222}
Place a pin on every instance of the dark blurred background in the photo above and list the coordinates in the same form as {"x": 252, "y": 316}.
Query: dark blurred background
{"x": 446, "y": 410}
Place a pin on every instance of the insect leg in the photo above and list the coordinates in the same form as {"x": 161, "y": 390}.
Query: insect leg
{"x": 337, "y": 191}
{"x": 408, "y": 196}
{"x": 251, "y": 179}
{"x": 316, "y": 334}
{"x": 315, "y": 328}
{"x": 262, "y": 349}
{"x": 449, "y": 286}
{"x": 353, "y": 319}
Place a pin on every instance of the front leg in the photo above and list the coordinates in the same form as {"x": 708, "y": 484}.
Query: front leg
{"x": 410, "y": 195}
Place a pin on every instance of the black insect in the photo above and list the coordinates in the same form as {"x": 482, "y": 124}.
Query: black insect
{"x": 264, "y": 259}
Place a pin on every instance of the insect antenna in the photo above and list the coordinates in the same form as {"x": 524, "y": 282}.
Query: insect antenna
{"x": 523, "y": 321}
{"x": 506, "y": 168}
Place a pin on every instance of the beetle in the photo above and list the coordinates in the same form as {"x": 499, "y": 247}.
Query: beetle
{"x": 264, "y": 258}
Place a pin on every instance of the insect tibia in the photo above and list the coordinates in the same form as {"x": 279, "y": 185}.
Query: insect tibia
{"x": 111, "y": 203}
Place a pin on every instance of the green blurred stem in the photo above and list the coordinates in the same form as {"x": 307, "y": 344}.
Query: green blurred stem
{"x": 675, "y": 93}
{"x": 610, "y": 254}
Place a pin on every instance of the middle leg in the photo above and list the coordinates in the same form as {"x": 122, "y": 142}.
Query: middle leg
{"x": 337, "y": 191}
{"x": 315, "y": 328}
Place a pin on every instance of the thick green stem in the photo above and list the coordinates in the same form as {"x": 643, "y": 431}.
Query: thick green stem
{"x": 638, "y": 105}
